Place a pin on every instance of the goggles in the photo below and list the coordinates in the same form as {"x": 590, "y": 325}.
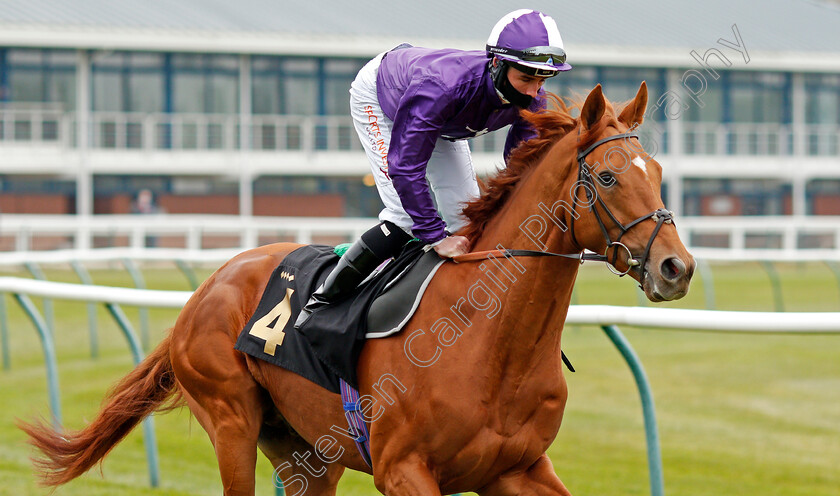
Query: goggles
{"x": 541, "y": 54}
{"x": 532, "y": 71}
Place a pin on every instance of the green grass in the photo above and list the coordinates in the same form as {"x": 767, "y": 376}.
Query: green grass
{"x": 737, "y": 413}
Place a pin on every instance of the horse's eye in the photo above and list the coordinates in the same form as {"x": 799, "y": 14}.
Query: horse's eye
{"x": 606, "y": 178}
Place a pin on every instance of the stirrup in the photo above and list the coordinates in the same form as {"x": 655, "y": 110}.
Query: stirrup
{"x": 353, "y": 267}
{"x": 314, "y": 303}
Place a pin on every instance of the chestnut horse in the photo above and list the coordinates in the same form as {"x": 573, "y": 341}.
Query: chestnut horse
{"x": 472, "y": 393}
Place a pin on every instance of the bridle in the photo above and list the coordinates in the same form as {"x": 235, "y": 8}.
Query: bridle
{"x": 660, "y": 216}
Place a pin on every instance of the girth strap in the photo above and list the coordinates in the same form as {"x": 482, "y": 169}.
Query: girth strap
{"x": 355, "y": 420}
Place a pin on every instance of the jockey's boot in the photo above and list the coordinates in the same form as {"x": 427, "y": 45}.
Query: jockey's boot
{"x": 375, "y": 246}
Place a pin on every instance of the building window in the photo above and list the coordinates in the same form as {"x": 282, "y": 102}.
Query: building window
{"x": 760, "y": 97}
{"x": 823, "y": 196}
{"x": 822, "y": 99}
{"x": 40, "y": 76}
{"x": 622, "y": 83}
{"x": 708, "y": 107}
{"x": 285, "y": 85}
{"x": 822, "y": 114}
{"x": 127, "y": 82}
{"x": 338, "y": 75}
{"x": 207, "y": 84}
{"x": 577, "y": 82}
{"x": 715, "y": 197}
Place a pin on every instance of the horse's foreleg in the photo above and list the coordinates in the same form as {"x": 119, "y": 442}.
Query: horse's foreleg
{"x": 408, "y": 477}
{"x": 302, "y": 471}
{"x": 538, "y": 480}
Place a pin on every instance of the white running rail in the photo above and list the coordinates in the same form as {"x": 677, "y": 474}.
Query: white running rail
{"x": 666, "y": 318}
{"x": 781, "y": 238}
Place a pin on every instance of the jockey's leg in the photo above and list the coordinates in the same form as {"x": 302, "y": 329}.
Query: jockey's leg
{"x": 538, "y": 480}
{"x": 376, "y": 245}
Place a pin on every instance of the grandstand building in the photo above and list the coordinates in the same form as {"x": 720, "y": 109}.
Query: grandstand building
{"x": 242, "y": 107}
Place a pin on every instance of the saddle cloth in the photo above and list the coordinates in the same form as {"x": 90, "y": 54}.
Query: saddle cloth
{"x": 327, "y": 348}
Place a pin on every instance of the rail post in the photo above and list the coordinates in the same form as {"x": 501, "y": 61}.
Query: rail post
{"x": 704, "y": 269}
{"x": 776, "y": 283}
{"x": 188, "y": 272}
{"x": 835, "y": 269}
{"x": 657, "y": 482}
{"x": 49, "y": 315}
{"x": 143, "y": 312}
{"x": 48, "y": 346}
{"x": 148, "y": 423}
{"x": 4, "y": 333}
{"x": 84, "y": 276}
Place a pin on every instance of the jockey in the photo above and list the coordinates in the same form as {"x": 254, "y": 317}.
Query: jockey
{"x": 412, "y": 108}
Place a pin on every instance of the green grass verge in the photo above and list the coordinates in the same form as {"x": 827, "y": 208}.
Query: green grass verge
{"x": 737, "y": 413}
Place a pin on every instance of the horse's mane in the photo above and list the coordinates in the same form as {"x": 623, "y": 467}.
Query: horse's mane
{"x": 551, "y": 124}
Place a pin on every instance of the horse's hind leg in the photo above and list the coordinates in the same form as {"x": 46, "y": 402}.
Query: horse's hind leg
{"x": 538, "y": 480}
{"x": 235, "y": 442}
{"x": 296, "y": 464}
{"x": 225, "y": 399}
{"x": 408, "y": 477}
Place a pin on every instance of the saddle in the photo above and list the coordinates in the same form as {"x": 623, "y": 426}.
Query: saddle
{"x": 327, "y": 348}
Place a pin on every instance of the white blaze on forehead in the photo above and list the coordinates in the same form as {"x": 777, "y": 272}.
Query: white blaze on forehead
{"x": 640, "y": 163}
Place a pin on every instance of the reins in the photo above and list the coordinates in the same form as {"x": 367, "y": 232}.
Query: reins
{"x": 660, "y": 216}
{"x": 490, "y": 254}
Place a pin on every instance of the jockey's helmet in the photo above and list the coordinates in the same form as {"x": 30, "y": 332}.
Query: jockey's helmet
{"x": 528, "y": 41}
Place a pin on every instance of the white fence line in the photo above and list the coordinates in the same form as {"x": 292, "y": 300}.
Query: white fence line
{"x": 81, "y": 232}
{"x": 96, "y": 294}
{"x": 775, "y": 238}
{"x": 218, "y": 256}
{"x": 705, "y": 320}
{"x": 669, "y": 318}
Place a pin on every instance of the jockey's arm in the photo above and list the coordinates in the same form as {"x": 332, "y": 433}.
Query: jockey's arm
{"x": 422, "y": 112}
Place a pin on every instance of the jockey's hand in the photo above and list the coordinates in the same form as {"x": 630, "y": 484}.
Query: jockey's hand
{"x": 452, "y": 246}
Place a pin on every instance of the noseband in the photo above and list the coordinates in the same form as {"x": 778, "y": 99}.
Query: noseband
{"x": 660, "y": 216}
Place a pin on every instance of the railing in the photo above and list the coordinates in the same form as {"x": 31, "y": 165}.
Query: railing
{"x": 822, "y": 140}
{"x": 35, "y": 125}
{"x": 159, "y": 131}
{"x": 812, "y": 237}
{"x": 799, "y": 238}
{"x": 706, "y": 138}
{"x": 162, "y": 131}
{"x": 194, "y": 232}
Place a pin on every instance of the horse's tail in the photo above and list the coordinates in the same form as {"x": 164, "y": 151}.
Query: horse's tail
{"x": 67, "y": 455}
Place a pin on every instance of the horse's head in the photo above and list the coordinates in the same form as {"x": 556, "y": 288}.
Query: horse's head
{"x": 617, "y": 196}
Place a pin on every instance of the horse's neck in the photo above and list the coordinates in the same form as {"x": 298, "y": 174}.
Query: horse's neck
{"x": 537, "y": 301}
{"x": 534, "y": 308}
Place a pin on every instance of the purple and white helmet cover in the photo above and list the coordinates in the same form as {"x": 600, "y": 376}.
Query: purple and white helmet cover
{"x": 523, "y": 29}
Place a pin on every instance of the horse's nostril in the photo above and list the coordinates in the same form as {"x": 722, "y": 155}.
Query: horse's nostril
{"x": 672, "y": 268}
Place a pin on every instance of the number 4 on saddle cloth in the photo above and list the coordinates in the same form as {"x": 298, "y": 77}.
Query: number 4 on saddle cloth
{"x": 325, "y": 350}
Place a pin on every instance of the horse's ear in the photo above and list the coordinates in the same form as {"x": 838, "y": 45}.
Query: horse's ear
{"x": 593, "y": 108}
{"x": 634, "y": 113}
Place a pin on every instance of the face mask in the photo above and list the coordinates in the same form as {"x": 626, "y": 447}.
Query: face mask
{"x": 499, "y": 73}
